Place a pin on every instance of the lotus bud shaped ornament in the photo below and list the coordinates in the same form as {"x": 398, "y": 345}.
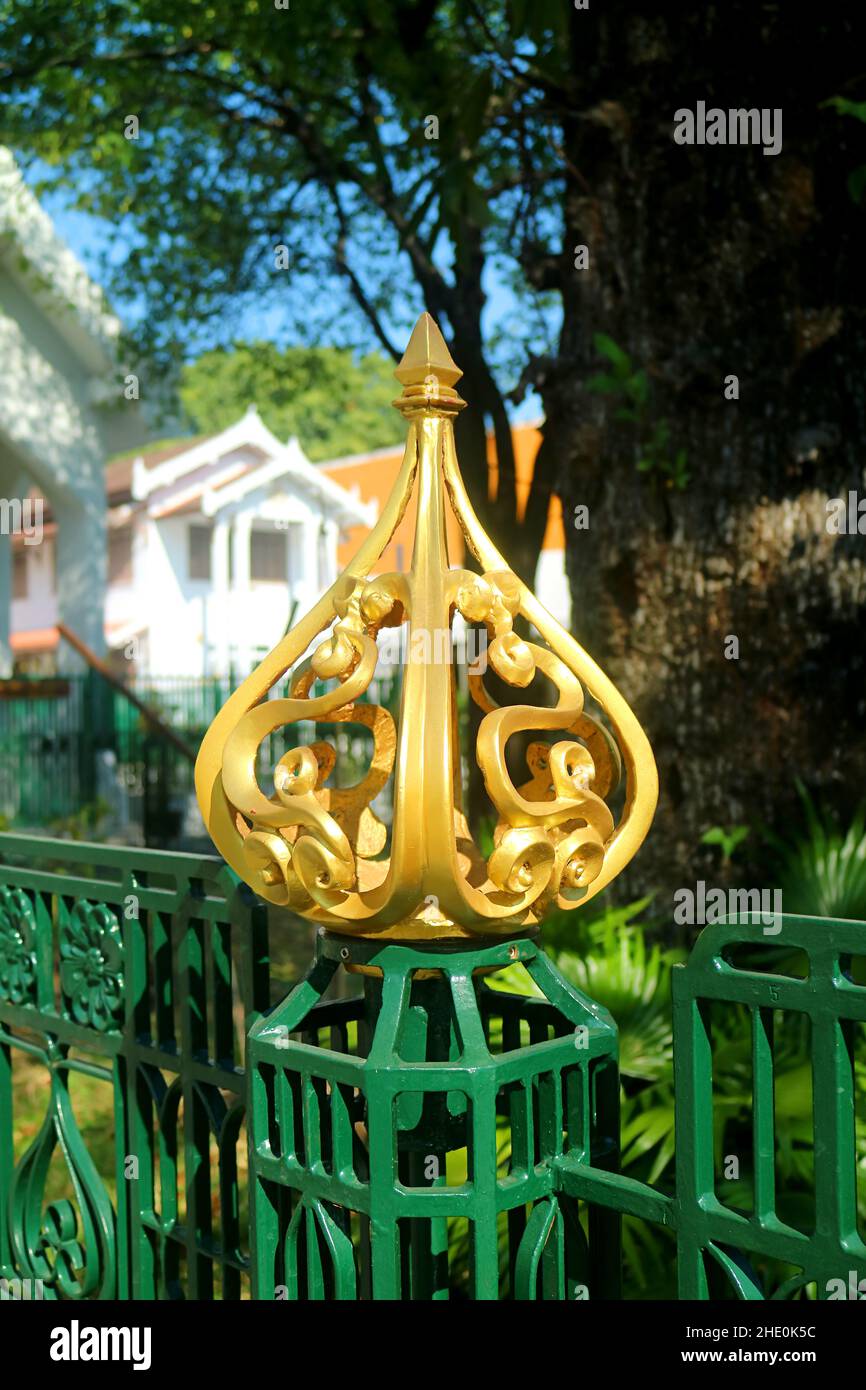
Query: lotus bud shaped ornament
{"x": 322, "y": 850}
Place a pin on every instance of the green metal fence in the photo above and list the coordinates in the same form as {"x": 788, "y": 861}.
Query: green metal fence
{"x": 136, "y": 986}
{"x": 47, "y": 750}
{"x": 50, "y": 747}
{"x": 719, "y": 1245}
{"x": 139, "y": 972}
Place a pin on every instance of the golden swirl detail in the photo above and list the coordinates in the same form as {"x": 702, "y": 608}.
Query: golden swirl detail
{"x": 323, "y": 850}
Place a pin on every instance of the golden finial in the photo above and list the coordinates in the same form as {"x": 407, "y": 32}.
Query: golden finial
{"x": 427, "y": 372}
{"x": 323, "y": 851}
{"x": 427, "y": 356}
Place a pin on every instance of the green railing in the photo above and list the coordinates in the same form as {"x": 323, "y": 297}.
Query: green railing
{"x": 138, "y": 973}
{"x": 47, "y": 754}
{"x": 50, "y": 746}
{"x": 716, "y": 1241}
{"x": 135, "y": 985}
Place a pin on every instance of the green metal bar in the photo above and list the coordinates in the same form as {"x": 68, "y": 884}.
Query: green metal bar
{"x": 763, "y": 1111}
{"x": 614, "y": 1191}
{"x": 833, "y": 1093}
{"x": 694, "y": 1130}
{"x": 221, "y": 993}
{"x": 143, "y": 1274}
{"x": 482, "y": 1200}
{"x": 196, "y": 1125}
{"x": 7, "y": 1154}
{"x": 122, "y": 1154}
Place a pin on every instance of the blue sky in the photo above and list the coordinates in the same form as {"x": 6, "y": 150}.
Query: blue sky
{"x": 91, "y": 239}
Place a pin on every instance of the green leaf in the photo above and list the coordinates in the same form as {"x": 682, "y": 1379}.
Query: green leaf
{"x": 614, "y": 354}
{"x": 604, "y": 384}
{"x": 638, "y": 387}
{"x": 845, "y": 107}
{"x": 857, "y": 184}
{"x": 727, "y": 839}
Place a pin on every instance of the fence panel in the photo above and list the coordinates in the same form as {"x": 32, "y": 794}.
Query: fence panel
{"x": 825, "y": 1254}
{"x": 136, "y": 975}
{"x": 809, "y": 971}
{"x": 50, "y": 748}
{"x": 129, "y": 980}
{"x": 46, "y": 760}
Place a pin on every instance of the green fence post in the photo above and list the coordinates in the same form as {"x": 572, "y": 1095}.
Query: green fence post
{"x": 381, "y": 1116}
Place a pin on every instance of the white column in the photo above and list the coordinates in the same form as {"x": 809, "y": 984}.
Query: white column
{"x": 5, "y": 605}
{"x": 330, "y": 543}
{"x": 81, "y": 573}
{"x": 237, "y": 625}
{"x": 310, "y": 562}
{"x": 217, "y": 607}
{"x": 13, "y": 484}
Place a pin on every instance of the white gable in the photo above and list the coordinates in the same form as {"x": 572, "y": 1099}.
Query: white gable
{"x": 220, "y": 473}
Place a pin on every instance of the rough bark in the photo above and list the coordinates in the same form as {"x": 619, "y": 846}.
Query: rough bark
{"x": 705, "y": 262}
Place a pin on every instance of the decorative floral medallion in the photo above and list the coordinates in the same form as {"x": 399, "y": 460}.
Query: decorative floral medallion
{"x": 17, "y": 947}
{"x": 91, "y": 966}
{"x": 60, "y": 1247}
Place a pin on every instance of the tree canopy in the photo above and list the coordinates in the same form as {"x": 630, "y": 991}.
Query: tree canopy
{"x": 693, "y": 316}
{"x": 333, "y": 401}
{"x": 395, "y": 148}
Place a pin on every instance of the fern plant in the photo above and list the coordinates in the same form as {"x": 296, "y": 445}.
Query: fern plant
{"x": 822, "y": 870}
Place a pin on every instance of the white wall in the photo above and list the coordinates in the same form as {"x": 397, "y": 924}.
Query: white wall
{"x": 47, "y": 423}
{"x": 62, "y": 407}
{"x": 39, "y": 608}
{"x": 551, "y": 586}
{"x": 202, "y": 627}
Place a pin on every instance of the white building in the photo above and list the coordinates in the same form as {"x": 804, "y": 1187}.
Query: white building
{"x": 188, "y": 559}
{"x": 213, "y": 545}
{"x": 62, "y": 413}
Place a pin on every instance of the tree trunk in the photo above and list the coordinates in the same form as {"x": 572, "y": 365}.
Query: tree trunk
{"x": 708, "y": 263}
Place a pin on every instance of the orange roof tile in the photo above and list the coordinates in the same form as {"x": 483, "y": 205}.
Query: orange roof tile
{"x": 35, "y": 639}
{"x": 374, "y": 476}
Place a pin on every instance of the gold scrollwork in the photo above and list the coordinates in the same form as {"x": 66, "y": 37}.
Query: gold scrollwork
{"x": 323, "y": 850}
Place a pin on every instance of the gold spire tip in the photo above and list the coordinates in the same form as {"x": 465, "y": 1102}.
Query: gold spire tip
{"x": 427, "y": 356}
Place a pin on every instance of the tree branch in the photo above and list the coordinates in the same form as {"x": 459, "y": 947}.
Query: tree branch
{"x": 358, "y": 293}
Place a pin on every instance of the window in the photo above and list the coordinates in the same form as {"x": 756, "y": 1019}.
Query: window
{"x": 120, "y": 557}
{"x": 269, "y": 555}
{"x": 323, "y": 557}
{"x": 199, "y": 538}
{"x": 295, "y": 534}
{"x": 19, "y": 574}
